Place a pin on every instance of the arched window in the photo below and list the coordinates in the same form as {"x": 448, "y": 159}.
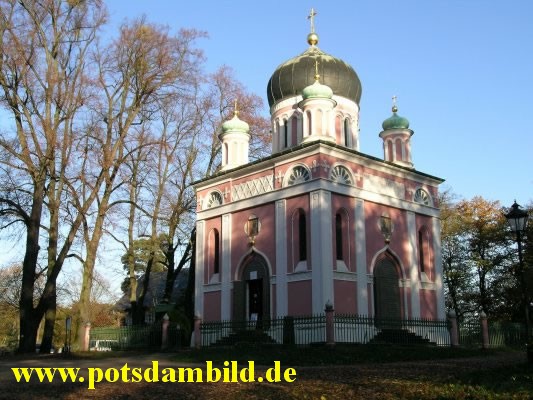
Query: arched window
{"x": 302, "y": 234}
{"x": 423, "y": 250}
{"x": 346, "y": 132}
{"x": 390, "y": 152}
{"x": 422, "y": 197}
{"x": 399, "y": 155}
{"x": 285, "y": 134}
{"x": 309, "y": 124}
{"x": 338, "y": 237}
{"x": 226, "y": 155}
{"x": 298, "y": 174}
{"x": 214, "y": 199}
{"x": 216, "y": 257}
{"x": 214, "y": 252}
{"x": 340, "y": 174}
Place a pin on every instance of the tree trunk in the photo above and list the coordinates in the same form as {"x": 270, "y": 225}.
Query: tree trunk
{"x": 28, "y": 319}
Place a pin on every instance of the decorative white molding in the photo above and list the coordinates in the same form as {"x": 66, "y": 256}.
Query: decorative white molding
{"x": 215, "y": 278}
{"x": 301, "y": 266}
{"x": 412, "y": 257}
{"x": 345, "y": 276}
{"x": 299, "y": 276}
{"x": 428, "y": 285}
{"x": 384, "y": 186}
{"x": 404, "y": 283}
{"x": 318, "y": 184}
{"x": 341, "y": 266}
{"x": 212, "y": 287}
{"x": 252, "y": 188}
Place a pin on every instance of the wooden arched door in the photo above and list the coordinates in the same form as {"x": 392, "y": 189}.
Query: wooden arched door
{"x": 387, "y": 298}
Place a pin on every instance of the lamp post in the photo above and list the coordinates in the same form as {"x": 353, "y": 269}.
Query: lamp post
{"x": 517, "y": 219}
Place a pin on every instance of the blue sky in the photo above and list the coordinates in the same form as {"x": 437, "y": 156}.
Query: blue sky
{"x": 462, "y": 71}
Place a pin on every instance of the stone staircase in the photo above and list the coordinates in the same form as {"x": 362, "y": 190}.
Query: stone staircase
{"x": 245, "y": 336}
{"x": 399, "y": 336}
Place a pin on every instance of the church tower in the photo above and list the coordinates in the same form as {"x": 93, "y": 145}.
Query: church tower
{"x": 396, "y": 137}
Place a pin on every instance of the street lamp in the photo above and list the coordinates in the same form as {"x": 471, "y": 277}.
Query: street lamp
{"x": 517, "y": 219}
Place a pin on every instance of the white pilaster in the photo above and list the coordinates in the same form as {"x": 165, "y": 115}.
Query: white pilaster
{"x": 360, "y": 257}
{"x": 413, "y": 264}
{"x": 225, "y": 304}
{"x": 281, "y": 259}
{"x": 321, "y": 249}
{"x": 199, "y": 273}
{"x": 437, "y": 250}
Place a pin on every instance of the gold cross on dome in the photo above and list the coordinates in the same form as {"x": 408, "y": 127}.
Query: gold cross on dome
{"x": 235, "y": 109}
{"x": 394, "y": 98}
{"x": 311, "y": 17}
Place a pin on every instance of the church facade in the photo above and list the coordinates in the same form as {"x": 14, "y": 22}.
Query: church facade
{"x": 317, "y": 222}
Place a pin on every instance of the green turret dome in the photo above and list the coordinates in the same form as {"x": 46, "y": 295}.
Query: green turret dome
{"x": 395, "y": 121}
{"x": 296, "y": 74}
{"x": 317, "y": 91}
{"x": 235, "y": 124}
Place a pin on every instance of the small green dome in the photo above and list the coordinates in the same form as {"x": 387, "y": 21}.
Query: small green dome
{"x": 317, "y": 91}
{"x": 235, "y": 124}
{"x": 395, "y": 121}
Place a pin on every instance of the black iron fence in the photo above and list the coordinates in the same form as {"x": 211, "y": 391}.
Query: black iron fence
{"x": 362, "y": 329}
{"x": 307, "y": 330}
{"x": 132, "y": 337}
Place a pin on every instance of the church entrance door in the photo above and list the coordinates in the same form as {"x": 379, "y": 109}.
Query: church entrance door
{"x": 387, "y": 300}
{"x": 251, "y": 293}
{"x": 255, "y": 300}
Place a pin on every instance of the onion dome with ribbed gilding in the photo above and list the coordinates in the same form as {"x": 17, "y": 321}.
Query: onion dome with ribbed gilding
{"x": 395, "y": 121}
{"x": 296, "y": 74}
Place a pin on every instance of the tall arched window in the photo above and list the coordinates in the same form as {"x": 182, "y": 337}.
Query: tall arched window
{"x": 285, "y": 134}
{"x": 214, "y": 252}
{"x": 346, "y": 132}
{"x": 390, "y": 151}
{"x": 226, "y": 154}
{"x": 423, "y": 251}
{"x": 309, "y": 124}
{"x": 338, "y": 237}
{"x": 302, "y": 234}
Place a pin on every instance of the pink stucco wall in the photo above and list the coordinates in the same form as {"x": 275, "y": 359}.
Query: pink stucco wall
{"x": 345, "y": 297}
{"x": 264, "y": 242}
{"x": 300, "y": 298}
{"x": 212, "y": 306}
{"x": 428, "y": 304}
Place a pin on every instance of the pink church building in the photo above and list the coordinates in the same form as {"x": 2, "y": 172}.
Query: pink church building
{"x": 317, "y": 222}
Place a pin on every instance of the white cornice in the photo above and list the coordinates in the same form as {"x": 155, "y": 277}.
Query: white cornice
{"x": 312, "y": 185}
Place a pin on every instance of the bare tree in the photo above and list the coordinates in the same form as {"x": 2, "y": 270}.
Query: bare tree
{"x": 42, "y": 76}
{"x": 143, "y": 65}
